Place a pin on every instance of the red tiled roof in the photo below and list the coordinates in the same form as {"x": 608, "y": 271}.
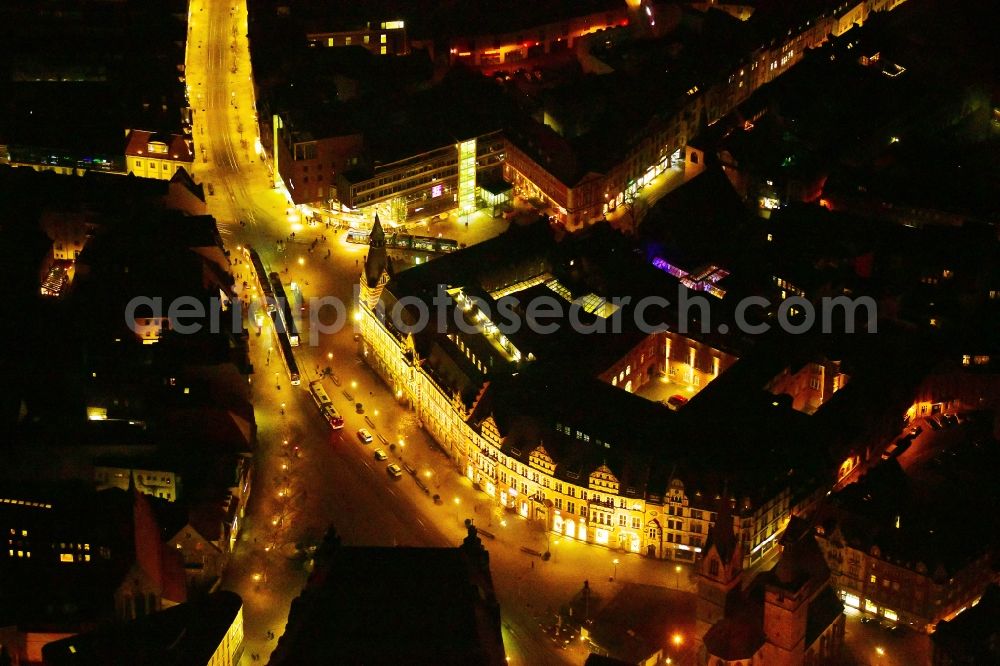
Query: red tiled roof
{"x": 177, "y": 146}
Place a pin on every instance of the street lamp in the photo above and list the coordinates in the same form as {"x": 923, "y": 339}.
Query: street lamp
{"x": 677, "y": 576}
{"x": 615, "y": 574}
{"x": 677, "y": 640}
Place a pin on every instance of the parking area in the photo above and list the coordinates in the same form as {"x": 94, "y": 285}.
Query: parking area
{"x": 661, "y": 389}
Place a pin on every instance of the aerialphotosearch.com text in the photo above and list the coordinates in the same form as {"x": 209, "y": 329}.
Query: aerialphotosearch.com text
{"x": 543, "y": 315}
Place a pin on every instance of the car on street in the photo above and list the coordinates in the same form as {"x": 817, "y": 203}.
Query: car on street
{"x": 902, "y": 445}
{"x": 380, "y": 454}
{"x": 890, "y": 451}
{"x": 933, "y": 423}
{"x": 914, "y": 432}
{"x": 868, "y": 619}
{"x": 949, "y": 420}
{"x": 365, "y": 436}
{"x": 395, "y": 471}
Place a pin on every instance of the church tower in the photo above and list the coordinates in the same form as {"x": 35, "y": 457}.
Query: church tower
{"x": 719, "y": 570}
{"x": 377, "y": 267}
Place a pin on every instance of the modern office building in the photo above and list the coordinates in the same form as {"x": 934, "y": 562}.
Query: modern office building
{"x": 424, "y": 185}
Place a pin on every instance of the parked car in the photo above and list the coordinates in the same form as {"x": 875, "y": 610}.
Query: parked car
{"x": 915, "y": 432}
{"x": 868, "y": 619}
{"x": 365, "y": 436}
{"x": 380, "y": 454}
{"x": 890, "y": 451}
{"x": 933, "y": 423}
{"x": 395, "y": 471}
{"x": 949, "y": 420}
{"x": 902, "y": 445}
{"x": 676, "y": 401}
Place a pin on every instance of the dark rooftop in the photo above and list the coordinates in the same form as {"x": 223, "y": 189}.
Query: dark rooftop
{"x": 367, "y": 605}
{"x": 189, "y": 633}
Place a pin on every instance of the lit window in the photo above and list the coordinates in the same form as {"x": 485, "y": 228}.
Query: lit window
{"x": 66, "y": 557}
{"x": 383, "y": 50}
{"x": 381, "y": 39}
{"x": 966, "y": 359}
{"x": 872, "y": 579}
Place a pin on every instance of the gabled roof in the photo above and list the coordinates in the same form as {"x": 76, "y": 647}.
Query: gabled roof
{"x": 177, "y": 146}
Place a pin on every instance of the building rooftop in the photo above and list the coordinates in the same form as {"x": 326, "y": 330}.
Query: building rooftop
{"x": 639, "y": 621}
{"x": 185, "y": 634}
{"x": 384, "y": 605}
{"x": 445, "y": 20}
{"x": 971, "y": 637}
{"x": 734, "y": 429}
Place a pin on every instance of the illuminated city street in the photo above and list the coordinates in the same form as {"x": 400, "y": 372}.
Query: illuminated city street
{"x": 334, "y": 479}
{"x": 571, "y": 333}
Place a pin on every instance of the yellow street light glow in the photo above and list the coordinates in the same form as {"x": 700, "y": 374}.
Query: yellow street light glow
{"x": 399, "y": 393}
{"x": 256, "y": 577}
{"x": 458, "y": 501}
{"x": 375, "y": 412}
{"x": 357, "y": 315}
{"x": 614, "y": 561}
{"x": 677, "y": 639}
{"x": 302, "y": 262}
{"x": 677, "y": 568}
{"x": 427, "y": 474}
{"x": 503, "y": 523}
{"x": 329, "y": 355}
{"x": 880, "y": 650}
{"x": 354, "y": 384}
